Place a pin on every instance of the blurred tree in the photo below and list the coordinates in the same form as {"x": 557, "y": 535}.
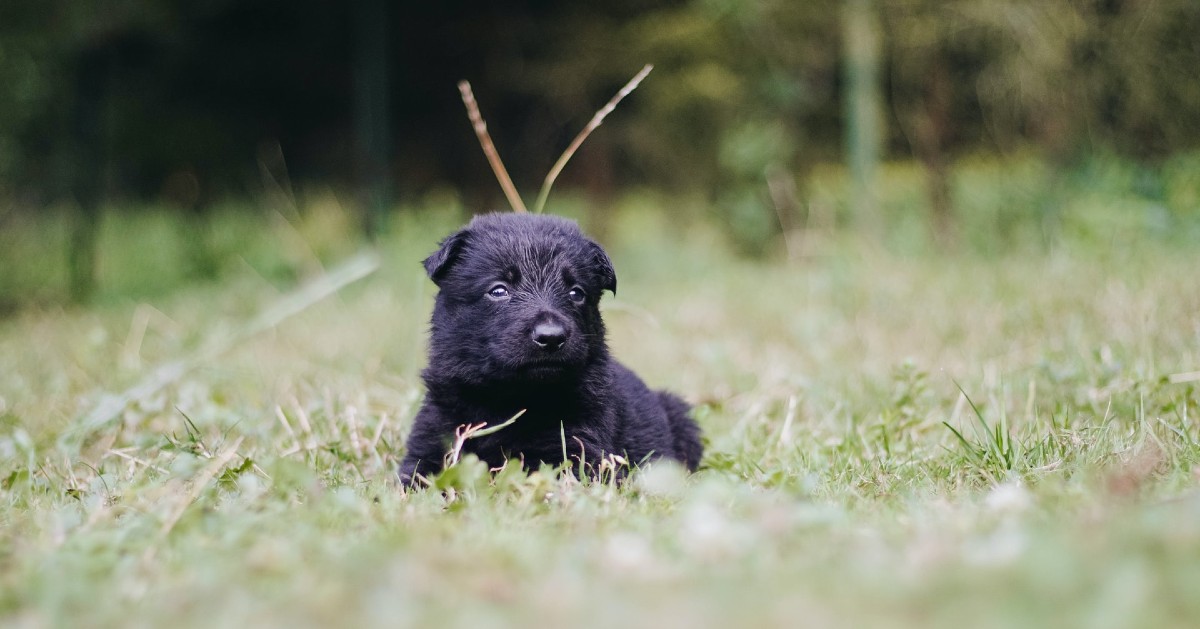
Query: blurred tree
{"x": 933, "y": 54}
{"x": 371, "y": 109}
{"x": 1101, "y": 74}
{"x": 1069, "y": 78}
{"x": 787, "y": 120}
{"x": 864, "y": 134}
{"x": 92, "y": 75}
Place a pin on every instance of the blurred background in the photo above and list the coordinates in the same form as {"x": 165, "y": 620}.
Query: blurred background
{"x": 149, "y": 143}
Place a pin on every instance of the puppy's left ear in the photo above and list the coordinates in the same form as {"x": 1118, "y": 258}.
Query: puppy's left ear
{"x": 604, "y": 268}
{"x": 448, "y": 252}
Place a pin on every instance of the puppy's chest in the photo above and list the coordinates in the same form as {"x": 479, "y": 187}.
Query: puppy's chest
{"x": 537, "y": 437}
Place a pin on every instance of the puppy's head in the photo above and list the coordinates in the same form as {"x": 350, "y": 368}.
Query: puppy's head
{"x": 518, "y": 300}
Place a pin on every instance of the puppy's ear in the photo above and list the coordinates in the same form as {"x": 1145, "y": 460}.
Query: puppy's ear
{"x": 603, "y": 267}
{"x": 447, "y": 254}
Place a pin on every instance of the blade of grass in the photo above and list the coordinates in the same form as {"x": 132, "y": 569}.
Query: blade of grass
{"x": 483, "y": 432}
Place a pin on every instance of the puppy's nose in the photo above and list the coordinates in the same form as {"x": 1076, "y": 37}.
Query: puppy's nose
{"x": 549, "y": 335}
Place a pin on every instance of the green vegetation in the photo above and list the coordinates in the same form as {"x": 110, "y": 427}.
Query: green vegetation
{"x": 1003, "y": 437}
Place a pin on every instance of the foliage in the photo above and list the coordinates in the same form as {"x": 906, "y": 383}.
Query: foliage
{"x": 249, "y": 96}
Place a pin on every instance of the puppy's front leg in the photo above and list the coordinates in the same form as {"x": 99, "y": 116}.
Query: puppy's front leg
{"x": 425, "y": 448}
{"x": 585, "y": 450}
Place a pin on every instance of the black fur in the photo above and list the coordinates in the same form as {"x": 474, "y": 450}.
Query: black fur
{"x": 534, "y": 346}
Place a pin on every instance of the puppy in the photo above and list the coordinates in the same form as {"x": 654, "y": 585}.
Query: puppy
{"x": 516, "y": 327}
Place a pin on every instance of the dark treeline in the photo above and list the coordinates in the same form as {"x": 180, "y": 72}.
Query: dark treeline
{"x": 191, "y": 101}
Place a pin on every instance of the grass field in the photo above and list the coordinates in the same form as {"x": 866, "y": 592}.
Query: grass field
{"x": 904, "y": 440}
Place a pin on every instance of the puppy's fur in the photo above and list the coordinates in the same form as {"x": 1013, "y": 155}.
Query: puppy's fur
{"x": 516, "y": 326}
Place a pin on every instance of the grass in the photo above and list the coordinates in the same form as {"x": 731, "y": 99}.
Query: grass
{"x": 893, "y": 439}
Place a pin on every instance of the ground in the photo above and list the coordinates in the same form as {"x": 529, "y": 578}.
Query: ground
{"x": 907, "y": 439}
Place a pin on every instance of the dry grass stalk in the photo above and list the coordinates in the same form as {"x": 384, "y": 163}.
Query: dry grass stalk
{"x": 587, "y": 130}
{"x": 1180, "y": 378}
{"x": 287, "y": 426}
{"x": 132, "y": 459}
{"x": 470, "y": 431}
{"x": 461, "y": 434}
{"x": 489, "y": 149}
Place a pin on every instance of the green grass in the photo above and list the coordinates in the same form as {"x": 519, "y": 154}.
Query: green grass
{"x": 893, "y": 439}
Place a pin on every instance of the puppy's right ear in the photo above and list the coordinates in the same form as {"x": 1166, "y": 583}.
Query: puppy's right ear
{"x": 447, "y": 254}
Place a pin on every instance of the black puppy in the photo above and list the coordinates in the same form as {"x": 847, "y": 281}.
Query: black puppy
{"x": 516, "y": 327}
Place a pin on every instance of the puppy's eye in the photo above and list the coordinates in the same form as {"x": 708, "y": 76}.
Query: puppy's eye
{"x": 577, "y": 295}
{"x": 499, "y": 291}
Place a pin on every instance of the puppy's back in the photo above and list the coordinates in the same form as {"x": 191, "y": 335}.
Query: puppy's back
{"x": 684, "y": 430}
{"x": 654, "y": 422}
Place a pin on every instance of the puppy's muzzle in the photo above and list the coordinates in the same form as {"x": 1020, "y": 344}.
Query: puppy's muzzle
{"x": 549, "y": 335}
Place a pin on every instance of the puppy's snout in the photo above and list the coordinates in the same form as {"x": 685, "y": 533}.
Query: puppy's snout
{"x": 549, "y": 335}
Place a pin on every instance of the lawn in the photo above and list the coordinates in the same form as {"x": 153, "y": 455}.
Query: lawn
{"x": 1000, "y": 438}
